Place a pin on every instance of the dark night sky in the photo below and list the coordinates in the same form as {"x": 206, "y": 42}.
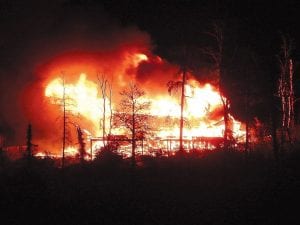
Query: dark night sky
{"x": 169, "y": 23}
{"x": 28, "y": 30}
{"x": 256, "y": 23}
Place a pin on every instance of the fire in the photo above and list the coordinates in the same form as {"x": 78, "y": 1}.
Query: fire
{"x": 76, "y": 76}
{"x": 138, "y": 58}
{"x": 199, "y": 101}
{"x": 83, "y": 98}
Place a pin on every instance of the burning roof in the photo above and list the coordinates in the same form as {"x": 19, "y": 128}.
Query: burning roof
{"x": 76, "y": 74}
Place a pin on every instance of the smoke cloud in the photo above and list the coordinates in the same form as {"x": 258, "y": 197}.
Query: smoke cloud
{"x": 37, "y": 37}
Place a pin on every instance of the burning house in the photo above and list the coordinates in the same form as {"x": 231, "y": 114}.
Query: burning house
{"x": 85, "y": 87}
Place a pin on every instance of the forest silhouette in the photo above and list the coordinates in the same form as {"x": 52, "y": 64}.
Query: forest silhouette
{"x": 218, "y": 187}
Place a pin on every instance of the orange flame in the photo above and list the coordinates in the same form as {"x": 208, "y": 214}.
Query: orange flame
{"x": 43, "y": 100}
{"x": 202, "y": 107}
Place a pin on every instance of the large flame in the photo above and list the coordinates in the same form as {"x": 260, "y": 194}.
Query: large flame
{"x": 81, "y": 98}
{"x": 76, "y": 75}
{"x": 202, "y": 111}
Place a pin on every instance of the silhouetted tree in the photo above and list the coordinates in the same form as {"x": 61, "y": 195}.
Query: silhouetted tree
{"x": 110, "y": 107}
{"x": 246, "y": 93}
{"x": 29, "y": 144}
{"x": 217, "y": 54}
{"x": 176, "y": 85}
{"x": 179, "y": 86}
{"x": 64, "y": 123}
{"x": 106, "y": 92}
{"x": 81, "y": 143}
{"x": 66, "y": 103}
{"x": 286, "y": 90}
{"x": 132, "y": 114}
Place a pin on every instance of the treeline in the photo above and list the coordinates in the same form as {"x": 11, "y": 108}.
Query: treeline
{"x": 216, "y": 188}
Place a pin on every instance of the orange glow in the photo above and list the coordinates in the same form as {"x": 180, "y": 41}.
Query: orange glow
{"x": 202, "y": 110}
{"x": 81, "y": 97}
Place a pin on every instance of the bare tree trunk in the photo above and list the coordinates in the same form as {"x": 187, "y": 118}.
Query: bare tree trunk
{"x": 64, "y": 124}
{"x": 227, "y": 131}
{"x": 217, "y": 55}
{"x": 133, "y": 137}
{"x": 291, "y": 112}
{"x": 29, "y": 144}
{"x": 104, "y": 122}
{"x": 286, "y": 92}
{"x": 110, "y": 108}
{"x": 247, "y": 122}
{"x": 103, "y": 86}
{"x": 181, "y": 148}
{"x": 81, "y": 143}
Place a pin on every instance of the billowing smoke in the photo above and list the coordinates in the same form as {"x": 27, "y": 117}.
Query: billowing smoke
{"x": 31, "y": 45}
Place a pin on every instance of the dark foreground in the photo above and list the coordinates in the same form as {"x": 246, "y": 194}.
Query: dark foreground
{"x": 221, "y": 188}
